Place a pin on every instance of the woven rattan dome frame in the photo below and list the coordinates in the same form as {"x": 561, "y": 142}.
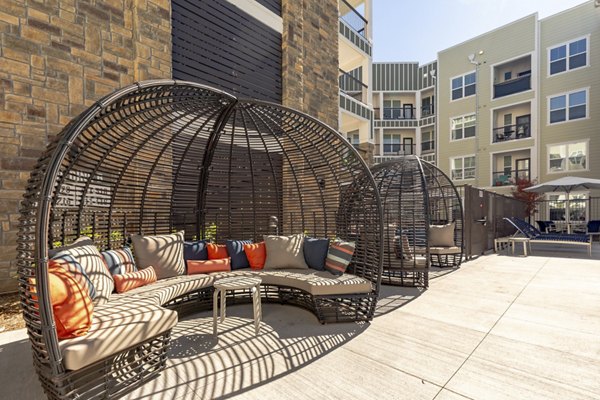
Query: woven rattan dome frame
{"x": 416, "y": 194}
{"x": 161, "y": 156}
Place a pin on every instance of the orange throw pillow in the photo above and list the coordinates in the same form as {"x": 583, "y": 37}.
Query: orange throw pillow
{"x": 71, "y": 303}
{"x": 257, "y": 254}
{"x": 208, "y": 266}
{"x": 217, "y": 251}
{"x": 131, "y": 280}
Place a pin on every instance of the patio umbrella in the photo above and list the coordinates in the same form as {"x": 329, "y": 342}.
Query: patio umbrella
{"x": 566, "y": 184}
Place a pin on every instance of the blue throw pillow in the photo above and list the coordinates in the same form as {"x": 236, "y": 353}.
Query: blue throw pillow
{"x": 235, "y": 249}
{"x": 195, "y": 250}
{"x": 315, "y": 252}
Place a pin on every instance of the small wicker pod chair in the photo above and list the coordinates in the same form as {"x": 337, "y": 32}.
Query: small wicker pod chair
{"x": 416, "y": 194}
{"x": 162, "y": 156}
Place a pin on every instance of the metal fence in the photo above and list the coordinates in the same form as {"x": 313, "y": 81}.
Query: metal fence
{"x": 580, "y": 210}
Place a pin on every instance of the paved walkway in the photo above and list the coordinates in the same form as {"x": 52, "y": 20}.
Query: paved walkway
{"x": 499, "y": 327}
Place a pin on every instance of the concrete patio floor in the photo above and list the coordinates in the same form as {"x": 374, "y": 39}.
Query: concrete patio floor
{"x": 499, "y": 327}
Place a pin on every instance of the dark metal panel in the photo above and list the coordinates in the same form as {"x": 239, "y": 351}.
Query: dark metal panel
{"x": 272, "y": 5}
{"x": 218, "y": 44}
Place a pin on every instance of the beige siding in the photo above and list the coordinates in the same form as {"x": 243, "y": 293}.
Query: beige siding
{"x": 509, "y": 42}
{"x": 582, "y": 21}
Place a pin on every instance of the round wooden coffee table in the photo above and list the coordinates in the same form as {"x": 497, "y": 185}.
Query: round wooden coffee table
{"x": 236, "y": 283}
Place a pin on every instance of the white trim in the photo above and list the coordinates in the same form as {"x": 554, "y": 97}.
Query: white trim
{"x": 567, "y": 43}
{"x": 260, "y": 12}
{"x": 462, "y": 116}
{"x": 587, "y": 157}
{"x": 451, "y": 159}
{"x": 566, "y": 94}
{"x": 463, "y": 85}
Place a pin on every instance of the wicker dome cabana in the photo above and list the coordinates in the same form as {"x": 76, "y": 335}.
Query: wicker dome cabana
{"x": 416, "y": 194}
{"x": 161, "y": 156}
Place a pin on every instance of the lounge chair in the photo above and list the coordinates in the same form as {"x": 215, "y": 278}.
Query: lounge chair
{"x": 546, "y": 226}
{"x": 534, "y": 235}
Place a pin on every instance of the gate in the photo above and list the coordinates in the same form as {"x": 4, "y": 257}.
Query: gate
{"x": 484, "y": 218}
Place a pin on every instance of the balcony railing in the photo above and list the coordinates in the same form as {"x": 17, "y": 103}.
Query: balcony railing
{"x": 427, "y": 110}
{"x": 512, "y": 86}
{"x": 428, "y": 145}
{"x": 511, "y": 132}
{"x": 352, "y": 86}
{"x": 396, "y": 113}
{"x": 509, "y": 177}
{"x": 353, "y": 18}
{"x": 398, "y": 149}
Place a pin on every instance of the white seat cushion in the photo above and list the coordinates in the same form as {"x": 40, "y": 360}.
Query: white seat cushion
{"x": 116, "y": 326}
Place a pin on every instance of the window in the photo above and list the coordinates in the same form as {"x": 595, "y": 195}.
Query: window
{"x": 567, "y": 107}
{"x": 567, "y": 157}
{"x": 508, "y": 76}
{"x": 463, "y": 86}
{"x": 392, "y": 109}
{"x": 429, "y": 158}
{"x": 427, "y": 141}
{"x": 391, "y": 144}
{"x": 463, "y": 167}
{"x": 463, "y": 127}
{"x": 427, "y": 106}
{"x": 568, "y": 56}
{"x": 354, "y": 138}
{"x": 577, "y": 207}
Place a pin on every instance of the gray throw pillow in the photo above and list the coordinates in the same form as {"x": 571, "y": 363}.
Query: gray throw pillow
{"x": 163, "y": 252}
{"x": 285, "y": 251}
{"x": 441, "y": 235}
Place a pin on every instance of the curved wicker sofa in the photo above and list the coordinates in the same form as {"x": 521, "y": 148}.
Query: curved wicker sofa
{"x": 159, "y": 156}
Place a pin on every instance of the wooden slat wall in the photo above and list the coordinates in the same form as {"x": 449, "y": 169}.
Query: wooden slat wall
{"x": 217, "y": 44}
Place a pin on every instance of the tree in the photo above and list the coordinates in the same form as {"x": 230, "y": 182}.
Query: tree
{"x": 530, "y": 199}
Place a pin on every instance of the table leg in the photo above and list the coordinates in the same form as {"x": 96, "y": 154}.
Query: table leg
{"x": 215, "y": 310}
{"x": 223, "y": 304}
{"x": 257, "y": 308}
{"x": 512, "y": 247}
{"x": 525, "y": 248}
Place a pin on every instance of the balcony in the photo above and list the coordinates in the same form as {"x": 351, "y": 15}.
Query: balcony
{"x": 395, "y": 113}
{"x": 509, "y": 177}
{"x": 512, "y": 86}
{"x": 511, "y": 132}
{"x": 353, "y": 18}
{"x": 352, "y": 86}
{"x": 398, "y": 149}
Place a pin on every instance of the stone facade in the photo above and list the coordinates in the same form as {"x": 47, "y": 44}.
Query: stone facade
{"x": 59, "y": 57}
{"x": 310, "y": 58}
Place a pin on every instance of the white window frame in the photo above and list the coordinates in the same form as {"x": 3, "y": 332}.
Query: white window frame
{"x": 452, "y": 139}
{"x": 429, "y": 157}
{"x": 462, "y": 178}
{"x": 462, "y": 87}
{"x": 567, "y": 170}
{"x": 567, "y": 43}
{"x": 567, "y": 105}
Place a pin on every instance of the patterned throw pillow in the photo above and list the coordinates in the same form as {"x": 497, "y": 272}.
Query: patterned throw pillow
{"x": 68, "y": 263}
{"x": 120, "y": 261}
{"x": 131, "y": 280}
{"x": 339, "y": 257}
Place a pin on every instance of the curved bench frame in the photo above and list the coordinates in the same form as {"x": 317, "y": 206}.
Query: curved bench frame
{"x": 39, "y": 212}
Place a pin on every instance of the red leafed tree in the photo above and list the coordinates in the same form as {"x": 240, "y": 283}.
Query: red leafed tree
{"x": 529, "y": 198}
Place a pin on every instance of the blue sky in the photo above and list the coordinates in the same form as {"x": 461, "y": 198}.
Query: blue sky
{"x": 408, "y": 30}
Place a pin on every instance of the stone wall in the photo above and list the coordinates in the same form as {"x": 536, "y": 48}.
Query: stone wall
{"x": 57, "y": 58}
{"x": 310, "y": 61}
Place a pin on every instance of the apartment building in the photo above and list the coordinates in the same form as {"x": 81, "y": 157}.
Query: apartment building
{"x": 355, "y": 72}
{"x": 404, "y": 110}
{"x": 522, "y": 101}
{"x": 519, "y": 102}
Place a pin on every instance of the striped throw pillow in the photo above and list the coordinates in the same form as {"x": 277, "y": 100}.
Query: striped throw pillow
{"x": 339, "y": 256}
{"x": 119, "y": 262}
{"x": 71, "y": 265}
